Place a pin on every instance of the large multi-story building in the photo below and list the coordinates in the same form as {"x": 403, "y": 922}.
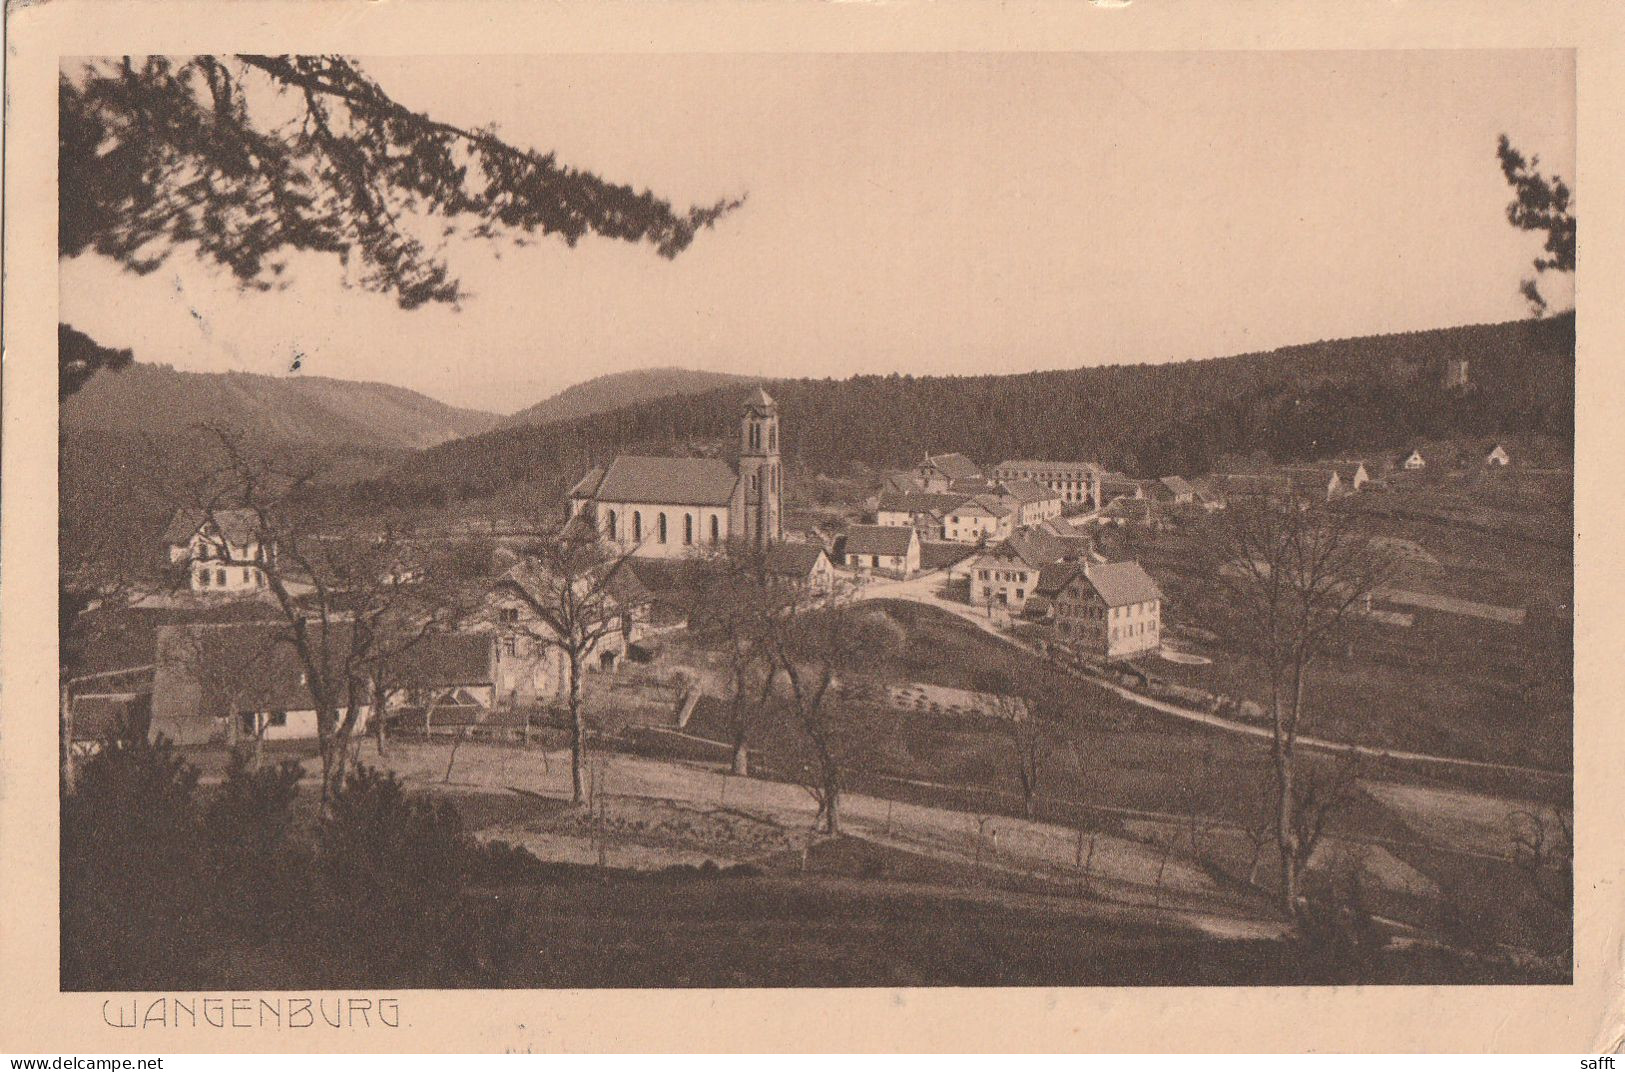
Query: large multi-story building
{"x": 1074, "y": 482}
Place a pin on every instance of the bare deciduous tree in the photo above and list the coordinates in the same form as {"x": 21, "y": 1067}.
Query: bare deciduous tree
{"x": 731, "y": 595}
{"x": 1028, "y": 718}
{"x": 1543, "y": 849}
{"x": 810, "y": 644}
{"x": 577, "y": 590}
{"x": 350, "y": 605}
{"x": 1296, "y": 574}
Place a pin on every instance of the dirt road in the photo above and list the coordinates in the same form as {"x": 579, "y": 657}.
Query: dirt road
{"x": 922, "y": 589}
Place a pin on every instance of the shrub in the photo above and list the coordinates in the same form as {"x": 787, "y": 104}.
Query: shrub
{"x": 1338, "y": 940}
{"x": 132, "y": 811}
{"x": 252, "y": 876}
{"x": 129, "y": 840}
{"x": 394, "y": 864}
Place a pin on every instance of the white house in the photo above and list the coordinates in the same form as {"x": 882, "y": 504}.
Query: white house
{"x": 1034, "y": 504}
{"x": 922, "y": 509}
{"x": 891, "y": 548}
{"x": 1498, "y": 457}
{"x": 672, "y": 507}
{"x": 1112, "y": 610}
{"x": 803, "y": 564}
{"x": 978, "y": 519}
{"x": 1352, "y": 476}
{"x": 527, "y": 667}
{"x": 234, "y": 682}
{"x": 1414, "y": 460}
{"x": 1007, "y": 575}
{"x": 220, "y": 549}
{"x": 939, "y": 472}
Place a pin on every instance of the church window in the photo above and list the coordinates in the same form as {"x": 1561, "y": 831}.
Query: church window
{"x": 662, "y": 536}
{"x": 716, "y": 535}
{"x": 637, "y": 526}
{"x": 773, "y": 438}
{"x": 755, "y": 436}
{"x": 688, "y": 528}
{"x": 609, "y": 523}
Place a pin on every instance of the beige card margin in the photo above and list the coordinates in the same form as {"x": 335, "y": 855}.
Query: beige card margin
{"x": 35, "y": 1017}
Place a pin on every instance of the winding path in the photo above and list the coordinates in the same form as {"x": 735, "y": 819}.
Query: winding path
{"x": 921, "y": 589}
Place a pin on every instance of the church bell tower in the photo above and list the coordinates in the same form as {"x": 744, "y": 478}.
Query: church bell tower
{"x": 760, "y": 473}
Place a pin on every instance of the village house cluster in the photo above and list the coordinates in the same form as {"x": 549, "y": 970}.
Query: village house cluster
{"x": 1022, "y": 539}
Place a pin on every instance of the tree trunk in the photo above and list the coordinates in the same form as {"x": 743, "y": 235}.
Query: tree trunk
{"x": 832, "y": 809}
{"x": 1285, "y": 838}
{"x": 832, "y": 798}
{"x": 65, "y": 748}
{"x": 578, "y": 734}
{"x": 741, "y": 759}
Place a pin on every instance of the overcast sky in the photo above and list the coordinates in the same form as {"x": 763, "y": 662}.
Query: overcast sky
{"x": 930, "y": 214}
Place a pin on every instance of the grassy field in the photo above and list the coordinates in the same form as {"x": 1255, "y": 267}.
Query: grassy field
{"x": 1119, "y": 768}
{"x": 1449, "y": 684}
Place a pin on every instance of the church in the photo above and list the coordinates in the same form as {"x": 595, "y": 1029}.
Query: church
{"x": 675, "y": 507}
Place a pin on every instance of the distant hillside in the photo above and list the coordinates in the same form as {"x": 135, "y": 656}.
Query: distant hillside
{"x": 305, "y": 411}
{"x": 619, "y": 389}
{"x": 1372, "y": 393}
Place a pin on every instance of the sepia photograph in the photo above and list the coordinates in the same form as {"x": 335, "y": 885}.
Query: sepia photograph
{"x": 745, "y": 520}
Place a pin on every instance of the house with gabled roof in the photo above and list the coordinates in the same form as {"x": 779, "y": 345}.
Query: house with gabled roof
{"x": 1172, "y": 490}
{"x": 921, "y": 509}
{"x": 979, "y": 519}
{"x": 1110, "y": 610}
{"x": 1498, "y": 457}
{"x": 1316, "y": 483}
{"x": 1352, "y": 476}
{"x": 527, "y": 667}
{"x": 444, "y": 681}
{"x": 893, "y": 549}
{"x": 220, "y": 548}
{"x": 938, "y": 472}
{"x": 674, "y": 507}
{"x": 803, "y": 564}
{"x": 1413, "y": 461}
{"x": 224, "y": 683}
{"x": 1006, "y": 574}
{"x": 1034, "y": 503}
{"x": 1127, "y": 510}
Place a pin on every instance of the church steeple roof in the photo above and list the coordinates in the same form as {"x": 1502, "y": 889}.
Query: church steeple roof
{"x": 761, "y": 400}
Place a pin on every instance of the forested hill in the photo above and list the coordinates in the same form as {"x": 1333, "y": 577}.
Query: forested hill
{"x": 161, "y": 402}
{"x": 1376, "y": 392}
{"x": 618, "y": 389}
